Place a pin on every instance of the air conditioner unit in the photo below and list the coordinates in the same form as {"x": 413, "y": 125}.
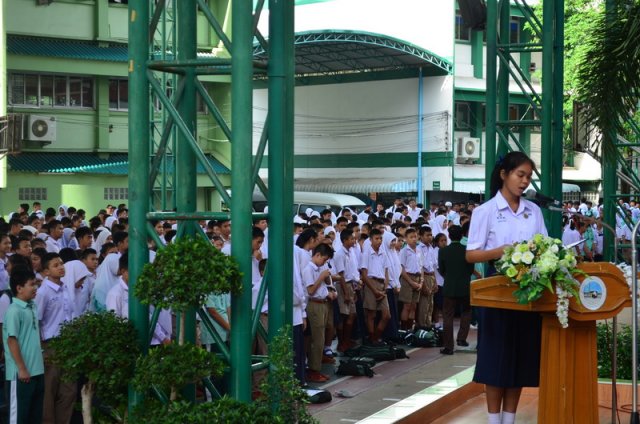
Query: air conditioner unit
{"x": 468, "y": 150}
{"x": 40, "y": 128}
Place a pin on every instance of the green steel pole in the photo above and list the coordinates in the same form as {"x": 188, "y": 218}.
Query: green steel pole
{"x": 609, "y": 175}
{"x": 281, "y": 86}
{"x": 503, "y": 75}
{"x": 139, "y": 140}
{"x": 242, "y": 131}
{"x": 185, "y": 157}
{"x": 554, "y": 222}
{"x": 546, "y": 160}
{"x": 492, "y": 53}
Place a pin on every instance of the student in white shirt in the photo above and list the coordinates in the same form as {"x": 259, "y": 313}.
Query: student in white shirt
{"x": 508, "y": 341}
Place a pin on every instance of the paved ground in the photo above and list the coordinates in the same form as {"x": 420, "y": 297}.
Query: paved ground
{"x": 394, "y": 380}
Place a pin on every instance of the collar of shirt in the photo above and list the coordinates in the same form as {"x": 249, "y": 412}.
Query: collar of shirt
{"x": 502, "y": 204}
{"x": 124, "y": 285}
{"x": 22, "y": 303}
{"x": 314, "y": 266}
{"x": 55, "y": 287}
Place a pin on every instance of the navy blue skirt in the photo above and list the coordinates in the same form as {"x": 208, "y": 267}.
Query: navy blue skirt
{"x": 508, "y": 348}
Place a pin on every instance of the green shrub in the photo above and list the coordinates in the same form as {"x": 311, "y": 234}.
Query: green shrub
{"x": 624, "y": 353}
{"x": 173, "y": 366}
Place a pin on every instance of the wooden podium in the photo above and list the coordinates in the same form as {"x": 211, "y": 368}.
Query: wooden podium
{"x": 568, "y": 363}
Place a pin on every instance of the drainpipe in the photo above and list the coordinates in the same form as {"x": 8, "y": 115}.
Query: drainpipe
{"x": 420, "y": 113}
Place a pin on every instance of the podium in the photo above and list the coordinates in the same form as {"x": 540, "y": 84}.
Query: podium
{"x": 568, "y": 362}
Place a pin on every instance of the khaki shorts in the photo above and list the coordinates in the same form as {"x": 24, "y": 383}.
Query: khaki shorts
{"x": 370, "y": 301}
{"x": 407, "y": 293}
{"x": 346, "y": 289}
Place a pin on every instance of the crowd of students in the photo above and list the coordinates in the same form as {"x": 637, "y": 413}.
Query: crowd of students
{"x": 358, "y": 277}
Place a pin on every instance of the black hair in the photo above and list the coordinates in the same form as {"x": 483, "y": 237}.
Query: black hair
{"x": 256, "y": 233}
{"x": 123, "y": 262}
{"x": 119, "y": 237}
{"x": 19, "y": 277}
{"x": 465, "y": 228}
{"x": 341, "y": 220}
{"x": 68, "y": 254}
{"x": 424, "y": 229}
{"x": 437, "y": 238}
{"x": 410, "y": 231}
{"x": 375, "y": 232}
{"x": 455, "y": 233}
{"x": 82, "y": 232}
{"x": 511, "y": 161}
{"x": 344, "y": 235}
{"x": 19, "y": 260}
{"x": 15, "y": 242}
{"x": 305, "y": 236}
{"x": 48, "y": 258}
{"x": 323, "y": 250}
{"x": 86, "y": 252}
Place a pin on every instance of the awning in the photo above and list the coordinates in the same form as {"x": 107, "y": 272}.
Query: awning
{"x": 334, "y": 52}
{"x": 355, "y": 185}
{"x": 70, "y": 49}
{"x": 86, "y": 163}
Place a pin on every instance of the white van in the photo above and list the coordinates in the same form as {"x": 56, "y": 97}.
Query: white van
{"x": 302, "y": 200}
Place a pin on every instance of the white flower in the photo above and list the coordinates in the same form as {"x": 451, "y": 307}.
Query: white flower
{"x": 527, "y": 257}
{"x": 554, "y": 248}
{"x": 516, "y": 257}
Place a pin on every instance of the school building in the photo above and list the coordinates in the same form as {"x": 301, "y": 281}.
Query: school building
{"x": 389, "y": 98}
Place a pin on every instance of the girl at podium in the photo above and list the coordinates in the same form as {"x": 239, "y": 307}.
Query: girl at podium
{"x": 508, "y": 341}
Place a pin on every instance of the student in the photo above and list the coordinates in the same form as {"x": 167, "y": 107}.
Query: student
{"x": 374, "y": 271}
{"x": 107, "y": 273}
{"x": 89, "y": 258}
{"x": 24, "y": 365}
{"x": 5, "y": 249}
{"x": 54, "y": 308}
{"x": 84, "y": 238}
{"x": 391, "y": 244}
{"x": 75, "y": 275}
{"x": 424, "y": 310}
{"x": 299, "y": 322}
{"x": 315, "y": 280}
{"x": 346, "y": 266}
{"x": 55, "y": 235}
{"x": 22, "y": 246}
{"x": 440, "y": 242}
{"x": 456, "y": 289}
{"x": 411, "y": 278}
{"x": 118, "y": 301}
{"x": 508, "y": 341}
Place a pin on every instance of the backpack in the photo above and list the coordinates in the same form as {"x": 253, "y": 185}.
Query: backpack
{"x": 380, "y": 353}
{"x": 370, "y": 362}
{"x": 318, "y": 396}
{"x": 430, "y": 337}
{"x": 355, "y": 368}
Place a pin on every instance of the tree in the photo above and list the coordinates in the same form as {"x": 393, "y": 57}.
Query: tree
{"x": 103, "y": 348}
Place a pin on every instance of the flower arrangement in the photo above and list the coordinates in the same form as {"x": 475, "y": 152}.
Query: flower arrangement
{"x": 538, "y": 264}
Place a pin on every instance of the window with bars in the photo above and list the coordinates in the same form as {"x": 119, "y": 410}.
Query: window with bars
{"x": 116, "y": 193}
{"x": 50, "y": 91}
{"x": 32, "y": 193}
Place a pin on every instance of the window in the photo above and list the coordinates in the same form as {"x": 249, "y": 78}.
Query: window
{"x": 116, "y": 193}
{"x": 201, "y": 107}
{"x": 32, "y": 193}
{"x": 463, "y": 116}
{"x": 462, "y": 32}
{"x": 514, "y": 30}
{"x": 34, "y": 90}
{"x": 118, "y": 94}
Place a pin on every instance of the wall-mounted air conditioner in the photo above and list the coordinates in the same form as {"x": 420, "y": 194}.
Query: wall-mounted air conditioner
{"x": 468, "y": 150}
{"x": 40, "y": 128}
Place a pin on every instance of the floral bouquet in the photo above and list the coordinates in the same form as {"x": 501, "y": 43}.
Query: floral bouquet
{"x": 538, "y": 264}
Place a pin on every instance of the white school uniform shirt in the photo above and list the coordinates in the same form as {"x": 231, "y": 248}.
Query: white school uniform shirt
{"x": 309, "y": 276}
{"x": 53, "y": 246}
{"x": 54, "y": 308}
{"x": 494, "y": 224}
{"x": 299, "y": 295}
{"x": 256, "y": 283}
{"x": 414, "y": 213}
{"x": 410, "y": 259}
{"x": 344, "y": 263}
{"x": 4, "y": 275}
{"x": 570, "y": 236}
{"x": 375, "y": 262}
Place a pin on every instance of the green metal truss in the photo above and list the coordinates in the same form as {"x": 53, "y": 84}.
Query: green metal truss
{"x": 544, "y": 109}
{"x": 164, "y": 66}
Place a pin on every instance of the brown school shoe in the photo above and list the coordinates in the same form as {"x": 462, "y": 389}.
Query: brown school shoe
{"x": 316, "y": 377}
{"x": 328, "y": 359}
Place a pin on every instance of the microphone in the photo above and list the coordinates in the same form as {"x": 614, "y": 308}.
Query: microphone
{"x": 542, "y": 200}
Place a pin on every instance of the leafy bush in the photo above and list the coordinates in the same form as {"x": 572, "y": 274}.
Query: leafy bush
{"x": 184, "y": 273}
{"x": 281, "y": 389}
{"x": 624, "y": 353}
{"x": 225, "y": 410}
{"x": 103, "y": 348}
{"x": 171, "y": 367}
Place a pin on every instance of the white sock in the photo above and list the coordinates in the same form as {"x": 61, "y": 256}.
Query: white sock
{"x": 495, "y": 418}
{"x": 508, "y": 417}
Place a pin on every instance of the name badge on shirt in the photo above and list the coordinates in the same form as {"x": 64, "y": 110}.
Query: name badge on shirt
{"x": 501, "y": 218}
